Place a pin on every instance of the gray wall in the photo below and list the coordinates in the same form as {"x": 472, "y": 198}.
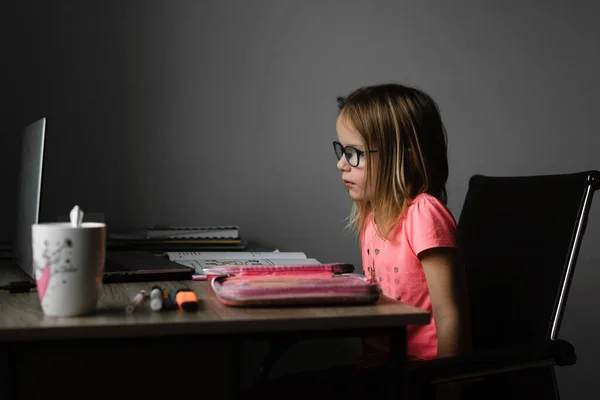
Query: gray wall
{"x": 224, "y": 111}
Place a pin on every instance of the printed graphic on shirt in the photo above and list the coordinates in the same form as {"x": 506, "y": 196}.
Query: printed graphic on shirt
{"x": 371, "y": 272}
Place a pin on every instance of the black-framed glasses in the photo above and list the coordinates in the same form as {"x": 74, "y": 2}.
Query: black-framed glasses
{"x": 351, "y": 153}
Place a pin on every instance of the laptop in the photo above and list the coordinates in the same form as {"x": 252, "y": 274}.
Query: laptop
{"x": 29, "y": 192}
{"x": 141, "y": 266}
{"x": 120, "y": 265}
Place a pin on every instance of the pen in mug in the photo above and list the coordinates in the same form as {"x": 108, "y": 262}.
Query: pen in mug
{"x": 137, "y": 300}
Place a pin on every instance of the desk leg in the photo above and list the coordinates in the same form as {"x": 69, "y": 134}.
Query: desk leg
{"x": 237, "y": 369}
{"x": 12, "y": 374}
{"x": 277, "y": 348}
{"x": 397, "y": 381}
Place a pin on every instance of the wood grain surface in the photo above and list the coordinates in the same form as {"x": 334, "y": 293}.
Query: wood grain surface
{"x": 21, "y": 316}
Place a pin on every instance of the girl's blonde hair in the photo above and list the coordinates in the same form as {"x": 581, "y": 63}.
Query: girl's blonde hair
{"x": 405, "y": 127}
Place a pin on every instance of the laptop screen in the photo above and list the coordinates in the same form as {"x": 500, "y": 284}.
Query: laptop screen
{"x": 29, "y": 192}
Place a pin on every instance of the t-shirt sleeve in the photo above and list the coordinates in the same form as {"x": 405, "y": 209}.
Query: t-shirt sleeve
{"x": 429, "y": 225}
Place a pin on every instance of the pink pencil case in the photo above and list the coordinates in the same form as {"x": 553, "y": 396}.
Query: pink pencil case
{"x": 278, "y": 285}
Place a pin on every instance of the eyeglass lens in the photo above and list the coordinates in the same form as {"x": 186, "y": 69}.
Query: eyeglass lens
{"x": 349, "y": 152}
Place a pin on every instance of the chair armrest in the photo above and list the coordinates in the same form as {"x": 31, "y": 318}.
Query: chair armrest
{"x": 451, "y": 369}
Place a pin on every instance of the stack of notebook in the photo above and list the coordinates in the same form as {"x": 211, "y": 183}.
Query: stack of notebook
{"x": 180, "y": 238}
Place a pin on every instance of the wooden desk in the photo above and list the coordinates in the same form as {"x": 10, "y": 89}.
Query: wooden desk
{"x": 100, "y": 351}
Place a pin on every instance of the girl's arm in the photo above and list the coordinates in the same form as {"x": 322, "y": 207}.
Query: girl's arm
{"x": 448, "y": 292}
{"x": 449, "y": 300}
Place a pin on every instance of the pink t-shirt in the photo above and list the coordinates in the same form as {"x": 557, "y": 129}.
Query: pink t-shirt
{"x": 426, "y": 224}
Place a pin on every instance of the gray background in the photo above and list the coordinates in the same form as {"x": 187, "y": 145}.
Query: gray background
{"x": 219, "y": 112}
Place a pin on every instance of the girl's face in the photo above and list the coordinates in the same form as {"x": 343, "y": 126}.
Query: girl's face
{"x": 354, "y": 177}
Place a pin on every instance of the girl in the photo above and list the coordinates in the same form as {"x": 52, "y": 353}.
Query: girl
{"x": 392, "y": 155}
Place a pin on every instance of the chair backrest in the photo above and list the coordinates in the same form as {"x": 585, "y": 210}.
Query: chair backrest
{"x": 521, "y": 237}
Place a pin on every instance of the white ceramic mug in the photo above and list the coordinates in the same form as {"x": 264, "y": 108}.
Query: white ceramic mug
{"x": 68, "y": 264}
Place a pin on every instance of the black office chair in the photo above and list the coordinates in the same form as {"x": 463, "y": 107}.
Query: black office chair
{"x": 521, "y": 237}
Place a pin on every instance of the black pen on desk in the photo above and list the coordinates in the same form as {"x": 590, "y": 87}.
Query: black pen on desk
{"x": 137, "y": 300}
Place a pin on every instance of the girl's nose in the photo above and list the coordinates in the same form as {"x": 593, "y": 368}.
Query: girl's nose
{"x": 343, "y": 165}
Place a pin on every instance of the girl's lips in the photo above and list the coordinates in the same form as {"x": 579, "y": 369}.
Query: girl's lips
{"x": 348, "y": 184}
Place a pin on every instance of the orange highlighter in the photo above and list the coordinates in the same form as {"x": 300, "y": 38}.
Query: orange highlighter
{"x": 186, "y": 300}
